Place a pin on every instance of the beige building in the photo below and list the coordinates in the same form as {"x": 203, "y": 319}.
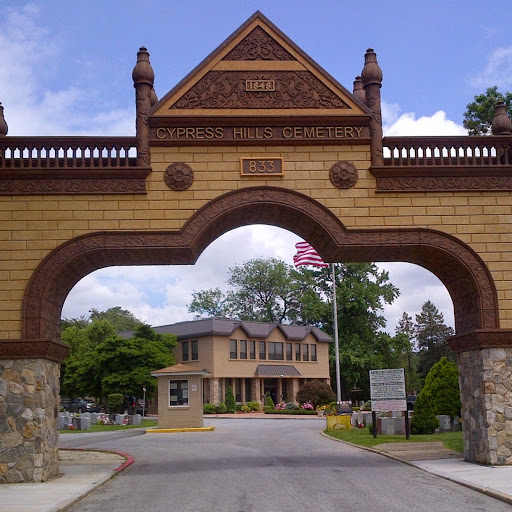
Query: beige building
{"x": 255, "y": 358}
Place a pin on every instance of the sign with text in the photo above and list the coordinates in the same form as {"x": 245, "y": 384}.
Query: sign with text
{"x": 341, "y": 134}
{"x": 272, "y": 166}
{"x": 387, "y": 390}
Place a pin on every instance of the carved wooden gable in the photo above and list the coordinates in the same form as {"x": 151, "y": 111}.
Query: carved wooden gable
{"x": 258, "y": 72}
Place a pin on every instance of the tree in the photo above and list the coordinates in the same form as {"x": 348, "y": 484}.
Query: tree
{"x": 120, "y": 319}
{"x": 431, "y": 334}
{"x": 480, "y": 112}
{"x": 361, "y": 292}
{"x": 442, "y": 388}
{"x": 263, "y": 290}
{"x": 315, "y": 392}
{"x": 230, "y": 401}
{"x": 101, "y": 362}
{"x": 409, "y": 358}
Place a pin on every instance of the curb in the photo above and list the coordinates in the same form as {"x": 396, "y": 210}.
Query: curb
{"x": 173, "y": 430}
{"x": 479, "y": 488}
{"x": 68, "y": 502}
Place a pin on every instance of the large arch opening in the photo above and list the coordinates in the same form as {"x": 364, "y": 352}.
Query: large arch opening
{"x": 458, "y": 267}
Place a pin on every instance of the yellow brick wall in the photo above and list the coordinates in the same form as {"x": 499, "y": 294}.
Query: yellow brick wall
{"x": 31, "y": 226}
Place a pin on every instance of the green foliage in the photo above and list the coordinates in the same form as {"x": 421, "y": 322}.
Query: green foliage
{"x": 115, "y": 402}
{"x": 442, "y": 388}
{"x": 120, "y": 319}
{"x": 316, "y": 392}
{"x": 424, "y": 420}
{"x": 290, "y": 406}
{"x": 254, "y": 406}
{"x": 480, "y": 112}
{"x": 294, "y": 412}
{"x": 101, "y": 362}
{"x": 431, "y": 334}
{"x": 230, "y": 400}
{"x": 268, "y": 409}
{"x": 265, "y": 290}
{"x": 245, "y": 408}
{"x": 269, "y": 403}
{"x": 208, "y": 408}
{"x": 220, "y": 408}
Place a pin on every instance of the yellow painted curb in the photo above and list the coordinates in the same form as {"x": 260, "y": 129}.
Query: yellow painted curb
{"x": 170, "y": 430}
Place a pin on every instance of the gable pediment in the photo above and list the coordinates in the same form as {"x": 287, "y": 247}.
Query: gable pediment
{"x": 258, "y": 72}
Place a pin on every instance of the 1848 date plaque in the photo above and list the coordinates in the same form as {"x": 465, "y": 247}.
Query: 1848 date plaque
{"x": 272, "y": 166}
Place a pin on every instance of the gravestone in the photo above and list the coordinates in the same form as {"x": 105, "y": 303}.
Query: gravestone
{"x": 445, "y": 424}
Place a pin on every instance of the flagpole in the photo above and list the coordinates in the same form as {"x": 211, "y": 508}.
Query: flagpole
{"x": 336, "y": 344}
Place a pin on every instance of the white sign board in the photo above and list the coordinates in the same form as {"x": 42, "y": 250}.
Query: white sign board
{"x": 387, "y": 390}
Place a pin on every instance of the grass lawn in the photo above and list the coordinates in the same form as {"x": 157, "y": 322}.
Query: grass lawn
{"x": 362, "y": 437}
{"x": 108, "y": 428}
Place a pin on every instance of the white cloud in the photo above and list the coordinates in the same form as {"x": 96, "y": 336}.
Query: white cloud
{"x": 436, "y": 124}
{"x": 497, "y": 71}
{"x": 29, "y": 54}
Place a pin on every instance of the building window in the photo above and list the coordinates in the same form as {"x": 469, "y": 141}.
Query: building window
{"x": 275, "y": 351}
{"x": 243, "y": 349}
{"x": 178, "y": 393}
{"x": 289, "y": 352}
{"x": 252, "y": 349}
{"x": 305, "y": 352}
{"x": 184, "y": 351}
{"x": 297, "y": 352}
{"x": 313, "y": 352}
{"x": 195, "y": 350}
{"x": 263, "y": 350}
{"x": 232, "y": 349}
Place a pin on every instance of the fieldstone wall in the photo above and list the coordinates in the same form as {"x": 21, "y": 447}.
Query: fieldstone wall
{"x": 29, "y": 404}
{"x": 486, "y": 395}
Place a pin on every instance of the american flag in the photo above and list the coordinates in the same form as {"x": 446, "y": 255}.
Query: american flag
{"x": 306, "y": 255}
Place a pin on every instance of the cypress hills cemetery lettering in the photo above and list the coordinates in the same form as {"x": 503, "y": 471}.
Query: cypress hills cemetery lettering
{"x": 261, "y": 132}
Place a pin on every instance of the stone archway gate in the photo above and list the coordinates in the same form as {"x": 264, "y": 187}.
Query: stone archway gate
{"x": 257, "y": 133}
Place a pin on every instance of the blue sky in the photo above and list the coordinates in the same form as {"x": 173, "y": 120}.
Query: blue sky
{"x": 65, "y": 68}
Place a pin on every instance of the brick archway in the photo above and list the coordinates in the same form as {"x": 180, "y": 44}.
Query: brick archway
{"x": 457, "y": 266}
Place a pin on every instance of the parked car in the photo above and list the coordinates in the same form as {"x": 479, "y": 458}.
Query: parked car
{"x": 79, "y": 405}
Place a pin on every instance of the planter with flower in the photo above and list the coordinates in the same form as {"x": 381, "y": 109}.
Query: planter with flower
{"x": 321, "y": 410}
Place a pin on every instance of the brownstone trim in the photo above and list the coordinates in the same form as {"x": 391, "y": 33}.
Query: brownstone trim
{"x": 460, "y": 269}
{"x": 130, "y": 180}
{"x": 480, "y": 339}
{"x": 34, "y": 349}
{"x": 442, "y": 178}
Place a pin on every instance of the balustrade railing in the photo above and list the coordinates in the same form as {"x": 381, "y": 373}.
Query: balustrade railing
{"x": 40, "y": 153}
{"x": 456, "y": 151}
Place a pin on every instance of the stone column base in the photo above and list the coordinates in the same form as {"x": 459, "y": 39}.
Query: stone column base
{"x": 29, "y": 409}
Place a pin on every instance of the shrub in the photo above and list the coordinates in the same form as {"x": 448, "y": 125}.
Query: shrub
{"x": 267, "y": 409}
{"x": 244, "y": 408}
{"x": 299, "y": 412}
{"x": 315, "y": 392}
{"x": 230, "y": 401}
{"x": 254, "y": 406}
{"x": 269, "y": 402}
{"x": 442, "y": 388}
{"x": 220, "y": 408}
{"x": 367, "y": 405}
{"x": 292, "y": 407}
{"x": 424, "y": 420}
{"x": 208, "y": 409}
{"x": 115, "y": 402}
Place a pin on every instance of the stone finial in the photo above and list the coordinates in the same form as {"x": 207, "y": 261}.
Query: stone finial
{"x": 143, "y": 72}
{"x": 371, "y": 74}
{"x": 3, "y": 124}
{"x": 358, "y": 89}
{"x": 501, "y": 123}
